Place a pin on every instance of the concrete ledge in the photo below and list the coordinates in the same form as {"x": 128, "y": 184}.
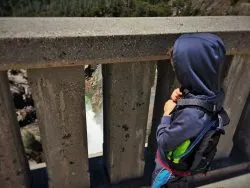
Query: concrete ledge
{"x": 221, "y": 174}
{"x": 54, "y": 42}
{"x": 99, "y": 178}
{"x": 100, "y": 27}
{"x": 241, "y": 181}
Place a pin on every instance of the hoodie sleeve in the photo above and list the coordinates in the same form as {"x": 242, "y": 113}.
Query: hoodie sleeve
{"x": 186, "y": 124}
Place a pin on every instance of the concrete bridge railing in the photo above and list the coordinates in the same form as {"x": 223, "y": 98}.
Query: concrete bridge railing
{"x": 129, "y": 49}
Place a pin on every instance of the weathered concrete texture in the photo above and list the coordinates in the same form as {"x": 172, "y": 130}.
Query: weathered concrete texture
{"x": 239, "y": 181}
{"x": 237, "y": 88}
{"x": 59, "y": 99}
{"x": 242, "y": 134}
{"x": 87, "y": 27}
{"x": 14, "y": 171}
{"x": 126, "y": 101}
{"x": 221, "y": 169}
{"x": 53, "y": 42}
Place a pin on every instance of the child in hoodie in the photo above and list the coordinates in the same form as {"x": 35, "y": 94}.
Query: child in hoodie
{"x": 197, "y": 60}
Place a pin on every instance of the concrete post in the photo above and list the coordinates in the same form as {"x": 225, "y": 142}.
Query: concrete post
{"x": 126, "y": 102}
{"x": 59, "y": 99}
{"x": 242, "y": 134}
{"x": 14, "y": 171}
{"x": 237, "y": 88}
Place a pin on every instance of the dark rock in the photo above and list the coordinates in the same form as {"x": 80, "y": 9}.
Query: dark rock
{"x": 22, "y": 97}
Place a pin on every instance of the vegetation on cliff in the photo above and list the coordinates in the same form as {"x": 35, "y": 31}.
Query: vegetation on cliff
{"x": 98, "y": 8}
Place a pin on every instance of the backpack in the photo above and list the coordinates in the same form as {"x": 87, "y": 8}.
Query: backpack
{"x": 196, "y": 155}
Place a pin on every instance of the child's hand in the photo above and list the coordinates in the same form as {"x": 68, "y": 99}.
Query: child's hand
{"x": 168, "y": 107}
{"x": 176, "y": 95}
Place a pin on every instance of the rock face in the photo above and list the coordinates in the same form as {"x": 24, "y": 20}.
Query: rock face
{"x": 221, "y": 7}
{"x": 93, "y": 86}
{"x": 26, "y": 114}
{"x": 32, "y": 144}
{"x": 21, "y": 93}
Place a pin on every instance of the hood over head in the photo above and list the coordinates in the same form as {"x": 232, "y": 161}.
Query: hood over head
{"x": 197, "y": 60}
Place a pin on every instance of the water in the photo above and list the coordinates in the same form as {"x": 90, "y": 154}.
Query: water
{"x": 94, "y": 129}
{"x": 95, "y": 118}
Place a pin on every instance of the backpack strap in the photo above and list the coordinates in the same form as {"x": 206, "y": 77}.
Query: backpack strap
{"x": 197, "y": 140}
{"x": 210, "y": 107}
{"x": 216, "y": 110}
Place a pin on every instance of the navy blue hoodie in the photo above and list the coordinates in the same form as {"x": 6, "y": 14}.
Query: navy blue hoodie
{"x": 197, "y": 61}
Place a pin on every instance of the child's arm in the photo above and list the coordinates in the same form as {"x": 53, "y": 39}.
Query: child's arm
{"x": 186, "y": 124}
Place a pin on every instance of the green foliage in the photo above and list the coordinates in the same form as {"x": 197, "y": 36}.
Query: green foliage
{"x": 184, "y": 8}
{"x": 95, "y": 8}
{"x": 152, "y": 10}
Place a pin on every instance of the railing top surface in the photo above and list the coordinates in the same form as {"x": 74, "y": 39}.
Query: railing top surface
{"x": 54, "y": 42}
{"x": 87, "y": 27}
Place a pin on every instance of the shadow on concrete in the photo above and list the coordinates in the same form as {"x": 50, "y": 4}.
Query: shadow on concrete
{"x": 39, "y": 178}
{"x": 235, "y": 165}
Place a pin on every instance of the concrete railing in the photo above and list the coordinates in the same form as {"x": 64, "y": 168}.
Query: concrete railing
{"x": 41, "y": 44}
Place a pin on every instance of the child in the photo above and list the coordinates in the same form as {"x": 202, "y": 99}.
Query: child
{"x": 197, "y": 60}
